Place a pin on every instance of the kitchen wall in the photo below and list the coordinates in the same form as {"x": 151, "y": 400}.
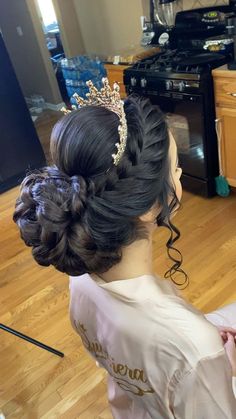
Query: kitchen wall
{"x": 27, "y": 49}
{"x": 108, "y": 26}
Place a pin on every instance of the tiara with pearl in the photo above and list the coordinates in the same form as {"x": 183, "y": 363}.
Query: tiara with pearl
{"x": 109, "y": 99}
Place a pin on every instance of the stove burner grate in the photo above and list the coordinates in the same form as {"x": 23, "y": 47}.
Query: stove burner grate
{"x": 179, "y": 62}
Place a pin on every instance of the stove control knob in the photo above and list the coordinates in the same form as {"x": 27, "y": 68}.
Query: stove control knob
{"x": 182, "y": 86}
{"x": 169, "y": 85}
{"x": 133, "y": 81}
{"x": 143, "y": 82}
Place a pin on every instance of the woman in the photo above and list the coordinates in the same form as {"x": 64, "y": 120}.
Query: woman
{"x": 92, "y": 215}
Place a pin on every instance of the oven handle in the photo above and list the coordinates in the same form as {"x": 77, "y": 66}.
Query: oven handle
{"x": 218, "y": 127}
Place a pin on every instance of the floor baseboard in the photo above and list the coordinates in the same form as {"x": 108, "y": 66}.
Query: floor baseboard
{"x": 55, "y": 106}
{"x": 48, "y": 105}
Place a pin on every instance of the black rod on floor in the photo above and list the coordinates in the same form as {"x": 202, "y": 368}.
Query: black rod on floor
{"x": 31, "y": 340}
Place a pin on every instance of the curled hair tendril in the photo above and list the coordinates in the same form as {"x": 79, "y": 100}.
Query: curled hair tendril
{"x": 173, "y": 253}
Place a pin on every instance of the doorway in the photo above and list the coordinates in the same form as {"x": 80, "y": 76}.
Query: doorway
{"x": 53, "y": 41}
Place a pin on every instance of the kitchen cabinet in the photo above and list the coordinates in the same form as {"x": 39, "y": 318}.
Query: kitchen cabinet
{"x": 115, "y": 73}
{"x": 225, "y": 100}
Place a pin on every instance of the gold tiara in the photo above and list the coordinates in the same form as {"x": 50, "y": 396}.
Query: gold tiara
{"x": 109, "y": 99}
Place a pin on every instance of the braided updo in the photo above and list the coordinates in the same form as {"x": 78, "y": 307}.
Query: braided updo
{"x": 78, "y": 214}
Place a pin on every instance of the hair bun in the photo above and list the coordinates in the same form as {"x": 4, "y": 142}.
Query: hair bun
{"x": 49, "y": 201}
{"x": 78, "y": 195}
{"x": 49, "y": 214}
{"x": 57, "y": 196}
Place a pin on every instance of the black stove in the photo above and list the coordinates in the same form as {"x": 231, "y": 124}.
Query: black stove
{"x": 175, "y": 68}
{"x": 173, "y": 61}
{"x": 179, "y": 81}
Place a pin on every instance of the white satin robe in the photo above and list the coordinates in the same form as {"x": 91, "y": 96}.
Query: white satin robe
{"x": 164, "y": 358}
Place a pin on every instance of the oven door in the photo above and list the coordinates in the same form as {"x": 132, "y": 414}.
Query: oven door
{"x": 185, "y": 117}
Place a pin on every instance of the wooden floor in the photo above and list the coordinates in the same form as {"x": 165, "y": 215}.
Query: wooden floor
{"x": 44, "y": 125}
{"x": 34, "y": 300}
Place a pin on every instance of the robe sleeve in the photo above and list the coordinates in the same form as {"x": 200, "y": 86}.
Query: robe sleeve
{"x": 206, "y": 390}
{"x": 234, "y": 386}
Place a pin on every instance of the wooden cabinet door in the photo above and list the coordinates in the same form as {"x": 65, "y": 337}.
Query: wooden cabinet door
{"x": 225, "y": 91}
{"x": 115, "y": 75}
{"x": 227, "y": 129}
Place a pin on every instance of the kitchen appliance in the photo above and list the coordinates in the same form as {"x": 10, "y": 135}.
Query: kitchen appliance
{"x": 165, "y": 12}
{"x": 157, "y": 30}
{"x": 231, "y": 28}
{"x": 179, "y": 80}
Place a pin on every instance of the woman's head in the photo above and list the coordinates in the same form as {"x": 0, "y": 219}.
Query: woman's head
{"x": 78, "y": 214}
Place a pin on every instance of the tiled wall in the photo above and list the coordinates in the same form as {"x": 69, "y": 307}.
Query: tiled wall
{"x": 193, "y": 4}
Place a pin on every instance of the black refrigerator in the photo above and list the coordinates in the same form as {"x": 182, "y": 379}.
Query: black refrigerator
{"x": 20, "y": 148}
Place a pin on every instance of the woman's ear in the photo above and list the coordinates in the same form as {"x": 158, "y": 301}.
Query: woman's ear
{"x": 147, "y": 217}
{"x": 150, "y": 216}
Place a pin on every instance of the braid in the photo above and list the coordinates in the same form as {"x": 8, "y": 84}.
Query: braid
{"x": 147, "y": 135}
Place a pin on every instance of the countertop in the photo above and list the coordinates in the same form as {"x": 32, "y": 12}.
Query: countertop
{"x": 223, "y": 71}
{"x": 131, "y": 55}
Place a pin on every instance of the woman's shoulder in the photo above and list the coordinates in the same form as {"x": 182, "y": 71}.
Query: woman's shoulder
{"x": 192, "y": 334}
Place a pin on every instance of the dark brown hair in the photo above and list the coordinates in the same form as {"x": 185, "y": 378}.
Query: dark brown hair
{"x": 79, "y": 213}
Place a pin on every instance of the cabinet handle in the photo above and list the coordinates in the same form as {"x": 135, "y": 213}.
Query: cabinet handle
{"x": 231, "y": 94}
{"x": 218, "y": 128}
